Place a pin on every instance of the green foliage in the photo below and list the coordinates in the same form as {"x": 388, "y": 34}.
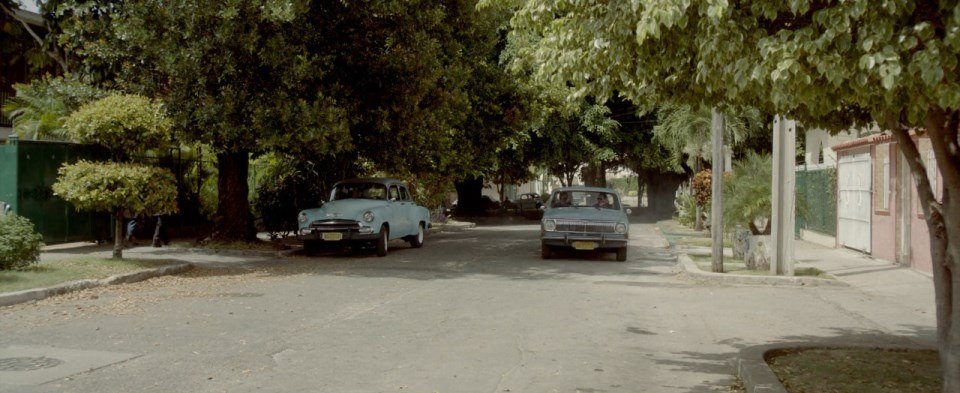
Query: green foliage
{"x": 286, "y": 186}
{"x": 747, "y": 193}
{"x": 568, "y": 140}
{"x": 40, "y": 107}
{"x": 112, "y": 187}
{"x": 686, "y": 207}
{"x": 127, "y": 124}
{"x": 623, "y": 185}
{"x": 684, "y": 130}
{"x": 19, "y": 243}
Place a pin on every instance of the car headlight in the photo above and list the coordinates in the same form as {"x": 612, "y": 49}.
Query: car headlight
{"x": 368, "y": 216}
{"x": 621, "y": 227}
{"x": 302, "y": 218}
{"x": 549, "y": 225}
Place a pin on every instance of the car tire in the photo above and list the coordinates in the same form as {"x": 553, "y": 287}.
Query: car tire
{"x": 382, "y": 243}
{"x": 416, "y": 241}
{"x": 622, "y": 254}
{"x": 546, "y": 251}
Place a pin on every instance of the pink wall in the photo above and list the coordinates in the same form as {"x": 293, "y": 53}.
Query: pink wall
{"x": 884, "y": 223}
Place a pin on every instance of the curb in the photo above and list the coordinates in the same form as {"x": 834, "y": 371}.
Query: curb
{"x": 235, "y": 253}
{"x": 757, "y": 377}
{"x": 11, "y": 298}
{"x": 691, "y": 270}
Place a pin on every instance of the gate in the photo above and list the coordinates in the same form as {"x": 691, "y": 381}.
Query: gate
{"x": 854, "y": 212}
{"x": 28, "y": 169}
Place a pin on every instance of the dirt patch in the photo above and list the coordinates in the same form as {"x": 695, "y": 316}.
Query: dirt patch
{"x": 851, "y": 370}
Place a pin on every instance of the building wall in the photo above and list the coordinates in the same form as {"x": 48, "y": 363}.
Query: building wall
{"x": 886, "y": 213}
{"x": 818, "y": 144}
{"x": 884, "y": 220}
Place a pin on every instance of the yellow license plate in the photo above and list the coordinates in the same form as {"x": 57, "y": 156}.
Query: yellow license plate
{"x": 584, "y": 245}
{"x": 332, "y": 236}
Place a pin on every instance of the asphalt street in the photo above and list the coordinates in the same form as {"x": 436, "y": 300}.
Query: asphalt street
{"x": 472, "y": 311}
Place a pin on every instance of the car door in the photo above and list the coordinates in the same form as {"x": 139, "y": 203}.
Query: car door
{"x": 410, "y": 211}
{"x": 399, "y": 222}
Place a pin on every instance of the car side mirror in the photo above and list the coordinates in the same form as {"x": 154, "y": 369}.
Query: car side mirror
{"x": 629, "y": 211}
{"x": 544, "y": 208}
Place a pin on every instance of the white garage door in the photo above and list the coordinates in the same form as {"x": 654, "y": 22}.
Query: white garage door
{"x": 854, "y": 207}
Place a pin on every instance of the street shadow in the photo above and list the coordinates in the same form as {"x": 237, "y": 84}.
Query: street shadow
{"x": 722, "y": 364}
{"x": 507, "y": 251}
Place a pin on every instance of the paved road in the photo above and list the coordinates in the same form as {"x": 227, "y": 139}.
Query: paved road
{"x": 474, "y": 311}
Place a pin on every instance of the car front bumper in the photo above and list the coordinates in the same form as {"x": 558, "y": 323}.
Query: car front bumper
{"x": 314, "y": 235}
{"x": 578, "y": 240}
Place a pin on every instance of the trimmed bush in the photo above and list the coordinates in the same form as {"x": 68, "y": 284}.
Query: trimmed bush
{"x": 19, "y": 243}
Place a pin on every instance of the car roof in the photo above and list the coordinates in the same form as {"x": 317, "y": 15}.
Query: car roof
{"x": 382, "y": 180}
{"x": 586, "y": 188}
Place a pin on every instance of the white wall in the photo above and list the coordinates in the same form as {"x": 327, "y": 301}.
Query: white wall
{"x": 819, "y": 142}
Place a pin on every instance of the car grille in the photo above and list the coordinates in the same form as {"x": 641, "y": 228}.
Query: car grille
{"x": 586, "y": 226}
{"x": 335, "y": 225}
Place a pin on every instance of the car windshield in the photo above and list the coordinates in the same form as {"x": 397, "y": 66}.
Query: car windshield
{"x": 602, "y": 200}
{"x": 359, "y": 191}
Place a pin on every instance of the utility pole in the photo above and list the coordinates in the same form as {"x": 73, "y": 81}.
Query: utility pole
{"x": 716, "y": 210}
{"x": 783, "y": 188}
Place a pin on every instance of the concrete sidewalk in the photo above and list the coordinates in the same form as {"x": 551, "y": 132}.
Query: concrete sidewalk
{"x": 898, "y": 302}
{"x": 899, "y": 299}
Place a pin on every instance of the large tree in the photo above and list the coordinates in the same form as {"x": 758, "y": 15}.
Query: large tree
{"x": 825, "y": 63}
{"x": 412, "y": 89}
{"x": 127, "y": 125}
{"x": 236, "y": 75}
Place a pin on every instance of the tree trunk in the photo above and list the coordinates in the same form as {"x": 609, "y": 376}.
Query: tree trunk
{"x": 234, "y": 221}
{"x": 469, "y": 191}
{"x": 943, "y": 223}
{"x": 594, "y": 175}
{"x": 118, "y": 234}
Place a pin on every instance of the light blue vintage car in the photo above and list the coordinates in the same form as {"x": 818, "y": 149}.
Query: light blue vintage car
{"x": 371, "y": 211}
{"x": 584, "y": 218}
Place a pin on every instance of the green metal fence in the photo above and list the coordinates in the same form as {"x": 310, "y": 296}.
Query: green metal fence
{"x": 28, "y": 169}
{"x": 817, "y": 200}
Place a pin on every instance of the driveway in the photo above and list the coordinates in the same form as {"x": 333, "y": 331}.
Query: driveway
{"x": 472, "y": 311}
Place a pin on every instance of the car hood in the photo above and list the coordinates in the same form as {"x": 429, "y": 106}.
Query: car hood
{"x": 584, "y": 213}
{"x": 347, "y": 209}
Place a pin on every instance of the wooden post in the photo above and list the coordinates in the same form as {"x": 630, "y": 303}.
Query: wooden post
{"x": 783, "y": 189}
{"x": 716, "y": 208}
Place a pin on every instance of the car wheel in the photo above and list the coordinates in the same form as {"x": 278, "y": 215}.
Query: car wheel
{"x": 546, "y": 251}
{"x": 382, "y": 242}
{"x": 622, "y": 254}
{"x": 417, "y": 240}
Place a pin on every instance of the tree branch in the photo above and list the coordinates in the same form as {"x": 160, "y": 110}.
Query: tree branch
{"x": 911, "y": 154}
{"x": 943, "y": 130}
{"x": 52, "y": 53}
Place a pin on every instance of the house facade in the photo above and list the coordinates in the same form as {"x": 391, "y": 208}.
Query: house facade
{"x": 878, "y": 211}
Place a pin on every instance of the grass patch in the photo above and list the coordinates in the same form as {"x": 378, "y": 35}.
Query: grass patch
{"x": 49, "y": 273}
{"x": 693, "y": 241}
{"x": 857, "y": 370}
{"x": 738, "y": 266}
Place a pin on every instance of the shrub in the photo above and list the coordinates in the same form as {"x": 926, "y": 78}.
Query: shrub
{"x": 747, "y": 194}
{"x": 283, "y": 186}
{"x": 19, "y": 244}
{"x": 702, "y": 187}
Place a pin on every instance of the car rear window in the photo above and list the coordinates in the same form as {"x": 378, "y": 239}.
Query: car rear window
{"x": 604, "y": 200}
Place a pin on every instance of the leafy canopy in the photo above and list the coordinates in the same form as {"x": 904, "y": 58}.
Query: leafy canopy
{"x": 824, "y": 63}
{"x": 123, "y": 123}
{"x": 41, "y": 106}
{"x": 114, "y": 186}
